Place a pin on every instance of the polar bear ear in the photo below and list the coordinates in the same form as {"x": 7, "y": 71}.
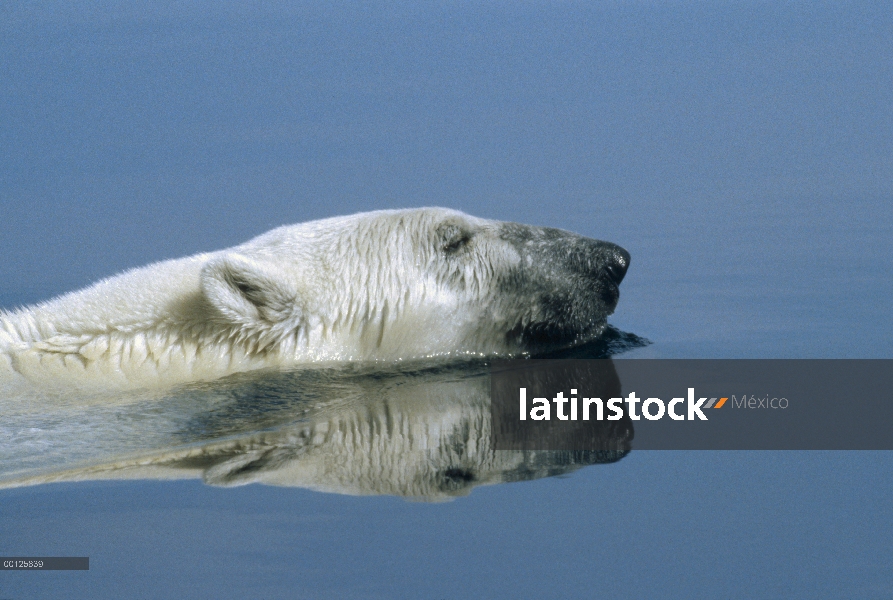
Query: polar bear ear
{"x": 247, "y": 291}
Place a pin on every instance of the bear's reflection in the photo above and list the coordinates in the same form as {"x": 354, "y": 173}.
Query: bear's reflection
{"x": 421, "y": 431}
{"x": 420, "y": 434}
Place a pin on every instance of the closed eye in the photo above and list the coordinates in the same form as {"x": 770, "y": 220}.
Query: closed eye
{"x": 454, "y": 238}
{"x": 457, "y": 244}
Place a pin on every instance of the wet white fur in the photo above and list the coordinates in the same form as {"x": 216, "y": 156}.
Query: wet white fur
{"x": 367, "y": 287}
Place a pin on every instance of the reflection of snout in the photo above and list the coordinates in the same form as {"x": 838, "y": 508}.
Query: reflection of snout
{"x": 617, "y": 263}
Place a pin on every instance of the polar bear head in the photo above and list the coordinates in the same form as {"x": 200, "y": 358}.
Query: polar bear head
{"x": 413, "y": 283}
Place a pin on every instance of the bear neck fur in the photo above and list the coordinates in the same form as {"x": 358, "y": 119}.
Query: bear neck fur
{"x": 130, "y": 328}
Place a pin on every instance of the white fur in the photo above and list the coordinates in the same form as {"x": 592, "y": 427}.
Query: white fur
{"x": 368, "y": 287}
{"x": 379, "y": 286}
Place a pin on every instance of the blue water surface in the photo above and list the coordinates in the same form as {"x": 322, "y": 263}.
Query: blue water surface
{"x": 742, "y": 153}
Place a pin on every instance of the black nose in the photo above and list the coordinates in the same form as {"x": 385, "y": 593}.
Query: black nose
{"x": 617, "y": 264}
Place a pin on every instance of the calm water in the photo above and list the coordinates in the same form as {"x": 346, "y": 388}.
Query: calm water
{"x": 742, "y": 153}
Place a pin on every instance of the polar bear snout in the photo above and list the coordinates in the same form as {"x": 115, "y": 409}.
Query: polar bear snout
{"x": 616, "y": 264}
{"x": 607, "y": 265}
{"x": 563, "y": 289}
{"x": 613, "y": 263}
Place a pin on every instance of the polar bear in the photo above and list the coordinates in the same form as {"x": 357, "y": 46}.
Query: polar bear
{"x": 378, "y": 286}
